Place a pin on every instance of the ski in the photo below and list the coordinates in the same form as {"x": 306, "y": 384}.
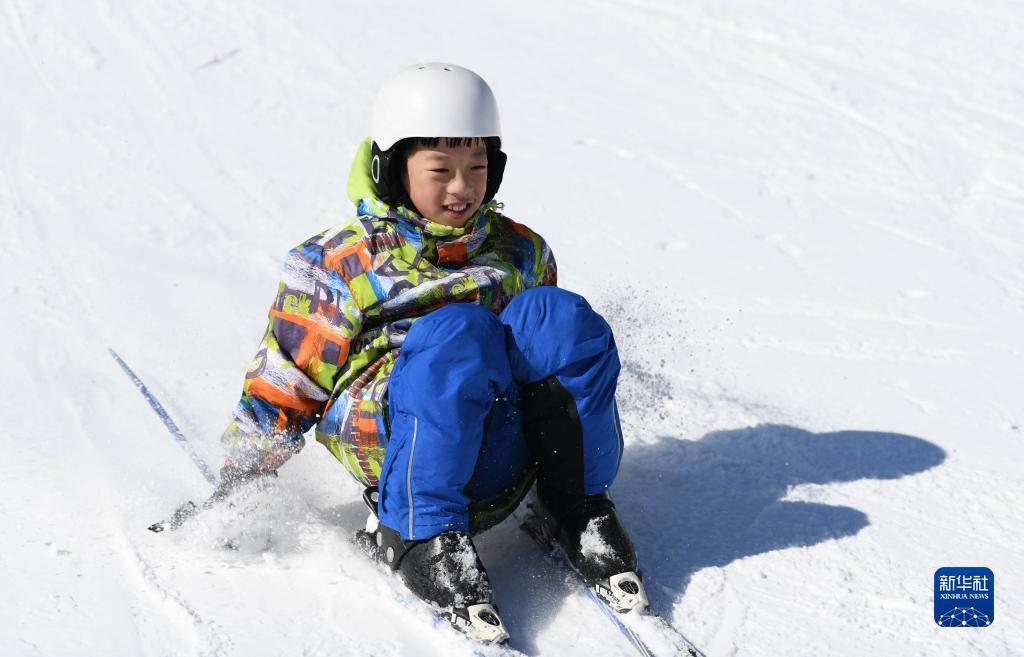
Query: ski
{"x": 178, "y": 434}
{"x": 649, "y": 634}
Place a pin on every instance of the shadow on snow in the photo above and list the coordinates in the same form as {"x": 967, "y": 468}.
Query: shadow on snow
{"x": 694, "y": 504}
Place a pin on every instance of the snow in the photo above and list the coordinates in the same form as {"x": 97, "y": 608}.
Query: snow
{"x": 458, "y": 570}
{"x": 803, "y": 220}
{"x": 592, "y": 544}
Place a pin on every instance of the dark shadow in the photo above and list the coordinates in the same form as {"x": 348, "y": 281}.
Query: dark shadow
{"x": 694, "y": 504}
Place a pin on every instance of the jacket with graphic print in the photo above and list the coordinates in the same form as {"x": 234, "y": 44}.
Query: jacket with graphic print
{"x": 346, "y": 300}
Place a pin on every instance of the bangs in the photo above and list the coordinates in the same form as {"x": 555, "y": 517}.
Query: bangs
{"x": 453, "y": 142}
{"x": 409, "y": 144}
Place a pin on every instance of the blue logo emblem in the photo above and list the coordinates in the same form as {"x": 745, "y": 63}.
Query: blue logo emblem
{"x": 964, "y": 597}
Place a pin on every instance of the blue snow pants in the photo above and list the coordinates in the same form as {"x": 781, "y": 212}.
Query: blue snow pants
{"x": 459, "y": 401}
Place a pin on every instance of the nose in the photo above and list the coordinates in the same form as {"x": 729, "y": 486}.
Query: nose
{"x": 460, "y": 184}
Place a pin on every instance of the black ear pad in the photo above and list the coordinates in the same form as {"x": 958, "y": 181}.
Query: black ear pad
{"x": 496, "y": 160}
{"x": 382, "y": 172}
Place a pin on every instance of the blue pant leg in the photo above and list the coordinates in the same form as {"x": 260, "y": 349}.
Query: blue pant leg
{"x": 504, "y": 458}
{"x": 555, "y": 333}
{"x": 452, "y": 366}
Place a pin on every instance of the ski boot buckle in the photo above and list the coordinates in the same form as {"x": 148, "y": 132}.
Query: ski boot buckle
{"x": 480, "y": 622}
{"x": 623, "y": 592}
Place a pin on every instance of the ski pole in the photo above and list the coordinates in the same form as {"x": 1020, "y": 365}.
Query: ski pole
{"x": 158, "y": 408}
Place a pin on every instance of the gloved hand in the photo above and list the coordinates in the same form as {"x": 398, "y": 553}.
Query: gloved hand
{"x": 231, "y": 479}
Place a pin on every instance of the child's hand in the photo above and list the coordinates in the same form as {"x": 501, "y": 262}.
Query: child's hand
{"x": 232, "y": 478}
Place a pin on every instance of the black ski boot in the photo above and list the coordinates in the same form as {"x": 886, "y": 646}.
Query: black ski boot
{"x": 597, "y": 546}
{"x": 445, "y": 571}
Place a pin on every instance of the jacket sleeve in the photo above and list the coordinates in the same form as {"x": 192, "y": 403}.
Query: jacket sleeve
{"x": 537, "y": 262}
{"x": 309, "y": 331}
{"x": 547, "y": 266}
{"x": 543, "y": 271}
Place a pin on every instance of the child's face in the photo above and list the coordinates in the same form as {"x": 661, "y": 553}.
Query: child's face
{"x": 447, "y": 184}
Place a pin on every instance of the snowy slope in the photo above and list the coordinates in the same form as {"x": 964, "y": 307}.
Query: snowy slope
{"x": 805, "y": 222}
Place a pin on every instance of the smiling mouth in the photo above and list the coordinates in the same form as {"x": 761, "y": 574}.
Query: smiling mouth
{"x": 456, "y": 208}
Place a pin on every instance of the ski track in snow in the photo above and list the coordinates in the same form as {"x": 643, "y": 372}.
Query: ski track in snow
{"x": 804, "y": 222}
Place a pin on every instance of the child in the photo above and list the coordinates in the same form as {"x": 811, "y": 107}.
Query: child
{"x": 428, "y": 342}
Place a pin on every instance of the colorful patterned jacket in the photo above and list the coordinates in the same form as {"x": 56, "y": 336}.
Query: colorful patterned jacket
{"x": 346, "y": 300}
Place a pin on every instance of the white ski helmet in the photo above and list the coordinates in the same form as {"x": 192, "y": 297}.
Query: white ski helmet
{"x": 432, "y": 100}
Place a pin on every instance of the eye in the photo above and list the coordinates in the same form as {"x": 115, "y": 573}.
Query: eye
{"x": 480, "y": 167}
{"x": 439, "y": 170}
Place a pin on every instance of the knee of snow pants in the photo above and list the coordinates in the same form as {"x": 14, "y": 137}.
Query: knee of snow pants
{"x": 452, "y": 366}
{"x": 563, "y": 354}
{"x": 474, "y": 398}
